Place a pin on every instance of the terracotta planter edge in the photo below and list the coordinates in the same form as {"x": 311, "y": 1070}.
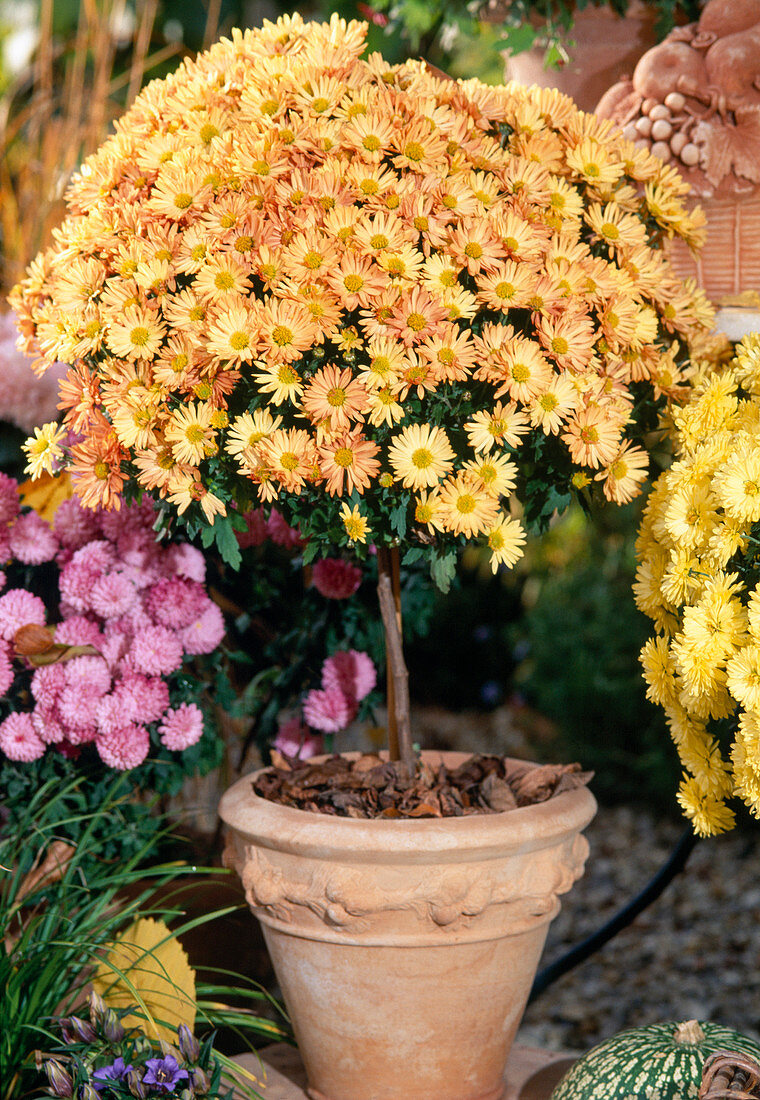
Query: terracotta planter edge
{"x": 404, "y": 840}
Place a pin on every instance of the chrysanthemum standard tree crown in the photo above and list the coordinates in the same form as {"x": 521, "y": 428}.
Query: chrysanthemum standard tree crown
{"x": 376, "y": 296}
{"x": 390, "y": 302}
{"x": 699, "y": 580}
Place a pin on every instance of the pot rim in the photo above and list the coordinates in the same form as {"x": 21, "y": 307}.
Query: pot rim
{"x": 285, "y": 828}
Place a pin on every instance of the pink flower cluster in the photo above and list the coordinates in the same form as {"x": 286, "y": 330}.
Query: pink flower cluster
{"x": 295, "y": 739}
{"x": 140, "y": 605}
{"x": 335, "y": 578}
{"x": 273, "y": 528}
{"x": 347, "y": 677}
{"x": 25, "y": 398}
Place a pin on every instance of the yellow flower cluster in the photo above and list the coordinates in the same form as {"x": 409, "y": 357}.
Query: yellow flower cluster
{"x": 291, "y": 269}
{"x": 699, "y": 579}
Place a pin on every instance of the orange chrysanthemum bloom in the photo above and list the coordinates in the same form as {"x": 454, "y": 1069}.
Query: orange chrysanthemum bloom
{"x": 348, "y": 463}
{"x": 334, "y": 398}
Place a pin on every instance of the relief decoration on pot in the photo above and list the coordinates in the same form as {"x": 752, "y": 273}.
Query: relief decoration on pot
{"x": 448, "y": 899}
{"x": 694, "y": 100}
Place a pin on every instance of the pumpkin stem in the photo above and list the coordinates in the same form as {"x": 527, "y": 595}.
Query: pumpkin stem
{"x": 689, "y": 1032}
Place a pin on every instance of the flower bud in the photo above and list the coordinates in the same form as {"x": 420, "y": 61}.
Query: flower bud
{"x": 188, "y": 1044}
{"x": 201, "y": 1083}
{"x": 97, "y": 1007}
{"x": 82, "y": 1029}
{"x": 67, "y": 1034}
{"x": 112, "y": 1028}
{"x": 135, "y": 1085}
{"x": 60, "y": 1081}
{"x": 87, "y": 1092}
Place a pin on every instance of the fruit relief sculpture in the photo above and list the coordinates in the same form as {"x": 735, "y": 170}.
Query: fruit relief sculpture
{"x": 695, "y": 98}
{"x": 694, "y": 101}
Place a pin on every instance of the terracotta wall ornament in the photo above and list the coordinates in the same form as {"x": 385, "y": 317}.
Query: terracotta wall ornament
{"x": 605, "y": 46}
{"x": 694, "y": 100}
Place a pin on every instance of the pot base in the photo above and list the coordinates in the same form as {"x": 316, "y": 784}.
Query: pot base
{"x": 501, "y": 1094}
{"x": 531, "y": 1073}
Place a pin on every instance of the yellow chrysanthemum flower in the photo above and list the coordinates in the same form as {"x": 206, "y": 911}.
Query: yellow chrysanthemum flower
{"x": 709, "y": 815}
{"x": 44, "y": 449}
{"x": 356, "y": 525}
{"x": 420, "y": 456}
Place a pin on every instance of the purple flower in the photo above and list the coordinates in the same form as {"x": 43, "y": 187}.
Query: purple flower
{"x": 164, "y": 1073}
{"x": 117, "y": 1071}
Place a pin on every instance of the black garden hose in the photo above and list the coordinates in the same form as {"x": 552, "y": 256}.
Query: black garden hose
{"x": 625, "y": 916}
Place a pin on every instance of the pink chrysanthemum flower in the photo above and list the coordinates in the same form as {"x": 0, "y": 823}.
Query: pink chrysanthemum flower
{"x": 75, "y": 584}
{"x": 257, "y": 529}
{"x": 2, "y": 579}
{"x": 98, "y": 556}
{"x": 329, "y": 710}
{"x": 47, "y": 684}
{"x": 140, "y": 560}
{"x": 186, "y": 561}
{"x": 78, "y": 576}
{"x": 281, "y": 533}
{"x": 143, "y": 697}
{"x": 115, "y": 524}
{"x": 79, "y": 630}
{"x": 6, "y": 668}
{"x": 18, "y": 739}
{"x": 113, "y": 595}
{"x": 31, "y": 540}
{"x": 114, "y": 646}
{"x": 130, "y": 624}
{"x": 125, "y": 748}
{"x": 47, "y": 725}
{"x": 206, "y": 633}
{"x": 155, "y": 651}
{"x": 79, "y": 735}
{"x": 9, "y": 500}
{"x": 74, "y": 525}
{"x": 295, "y": 739}
{"x": 335, "y": 578}
{"x": 111, "y": 713}
{"x": 176, "y": 602}
{"x": 77, "y": 710}
{"x": 17, "y": 608}
{"x": 181, "y": 727}
{"x": 351, "y": 672}
{"x": 89, "y": 675}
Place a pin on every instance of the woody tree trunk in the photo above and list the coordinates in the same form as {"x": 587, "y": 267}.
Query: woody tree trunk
{"x": 399, "y": 721}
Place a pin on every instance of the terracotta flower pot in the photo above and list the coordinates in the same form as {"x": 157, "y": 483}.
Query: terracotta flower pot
{"x": 607, "y": 47}
{"x": 405, "y": 949}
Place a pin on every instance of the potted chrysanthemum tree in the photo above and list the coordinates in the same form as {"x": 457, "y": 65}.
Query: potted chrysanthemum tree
{"x": 411, "y": 313}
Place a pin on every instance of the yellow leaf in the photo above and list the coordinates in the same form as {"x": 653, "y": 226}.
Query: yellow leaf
{"x": 46, "y": 492}
{"x": 157, "y": 971}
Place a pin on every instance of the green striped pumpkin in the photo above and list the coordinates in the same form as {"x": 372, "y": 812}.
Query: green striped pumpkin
{"x": 657, "y": 1062}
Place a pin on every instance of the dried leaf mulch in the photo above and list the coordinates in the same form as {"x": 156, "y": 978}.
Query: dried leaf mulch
{"x": 370, "y": 787}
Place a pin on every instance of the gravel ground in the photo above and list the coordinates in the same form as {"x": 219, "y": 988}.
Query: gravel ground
{"x": 695, "y": 952}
